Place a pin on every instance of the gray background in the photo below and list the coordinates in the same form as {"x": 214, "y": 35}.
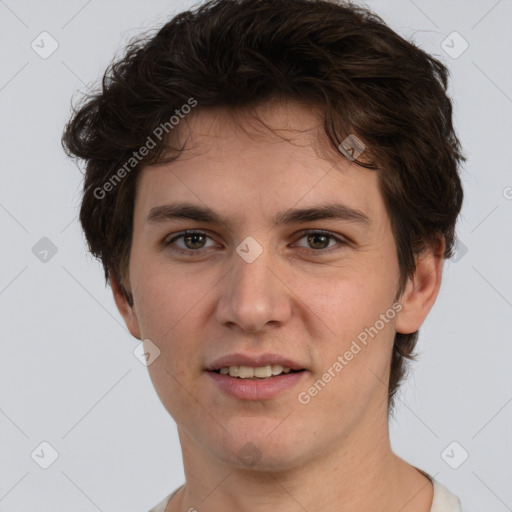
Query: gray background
{"x": 68, "y": 375}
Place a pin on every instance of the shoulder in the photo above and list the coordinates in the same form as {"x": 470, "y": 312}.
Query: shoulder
{"x": 160, "y": 507}
{"x": 444, "y": 500}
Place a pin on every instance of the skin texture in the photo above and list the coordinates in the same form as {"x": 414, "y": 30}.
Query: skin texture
{"x": 304, "y": 299}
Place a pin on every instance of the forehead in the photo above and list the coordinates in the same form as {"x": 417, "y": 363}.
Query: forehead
{"x": 266, "y": 160}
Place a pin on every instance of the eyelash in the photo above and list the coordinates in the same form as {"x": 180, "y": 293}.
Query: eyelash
{"x": 192, "y": 252}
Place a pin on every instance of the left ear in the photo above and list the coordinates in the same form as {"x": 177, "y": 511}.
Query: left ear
{"x": 421, "y": 290}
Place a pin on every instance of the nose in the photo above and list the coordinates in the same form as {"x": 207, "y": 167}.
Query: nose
{"x": 254, "y": 295}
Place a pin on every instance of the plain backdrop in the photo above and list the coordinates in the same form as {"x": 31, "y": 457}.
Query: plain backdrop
{"x": 68, "y": 374}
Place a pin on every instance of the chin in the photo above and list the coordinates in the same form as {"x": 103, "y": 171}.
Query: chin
{"x": 259, "y": 449}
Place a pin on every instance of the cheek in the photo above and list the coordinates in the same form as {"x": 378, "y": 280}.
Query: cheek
{"x": 352, "y": 301}
{"x": 170, "y": 307}
{"x": 353, "y": 373}
{"x": 165, "y": 299}
{"x": 361, "y": 321}
{"x": 167, "y": 312}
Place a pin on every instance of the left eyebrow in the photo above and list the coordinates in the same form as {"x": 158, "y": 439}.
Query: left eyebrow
{"x": 190, "y": 211}
{"x": 328, "y": 211}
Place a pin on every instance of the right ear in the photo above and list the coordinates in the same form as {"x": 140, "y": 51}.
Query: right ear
{"x": 127, "y": 311}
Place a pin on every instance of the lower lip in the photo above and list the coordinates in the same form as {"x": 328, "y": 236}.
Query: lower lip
{"x": 256, "y": 389}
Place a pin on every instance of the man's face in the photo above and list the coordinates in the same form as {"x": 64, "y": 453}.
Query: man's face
{"x": 306, "y": 297}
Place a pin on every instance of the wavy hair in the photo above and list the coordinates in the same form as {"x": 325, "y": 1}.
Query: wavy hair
{"x": 337, "y": 57}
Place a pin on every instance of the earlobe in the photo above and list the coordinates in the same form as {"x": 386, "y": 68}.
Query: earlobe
{"x": 422, "y": 290}
{"x": 127, "y": 311}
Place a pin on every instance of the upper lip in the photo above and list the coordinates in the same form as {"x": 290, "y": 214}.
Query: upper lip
{"x": 254, "y": 360}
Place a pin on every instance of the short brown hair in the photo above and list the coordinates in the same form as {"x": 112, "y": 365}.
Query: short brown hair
{"x": 340, "y": 58}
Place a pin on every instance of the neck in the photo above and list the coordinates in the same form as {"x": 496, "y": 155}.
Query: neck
{"x": 360, "y": 474}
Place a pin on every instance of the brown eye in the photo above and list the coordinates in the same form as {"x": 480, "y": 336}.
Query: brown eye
{"x": 194, "y": 240}
{"x": 190, "y": 242}
{"x": 318, "y": 241}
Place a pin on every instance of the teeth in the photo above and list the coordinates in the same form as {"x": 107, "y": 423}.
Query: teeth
{"x": 245, "y": 372}
{"x": 276, "y": 369}
{"x": 248, "y": 372}
{"x": 263, "y": 371}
